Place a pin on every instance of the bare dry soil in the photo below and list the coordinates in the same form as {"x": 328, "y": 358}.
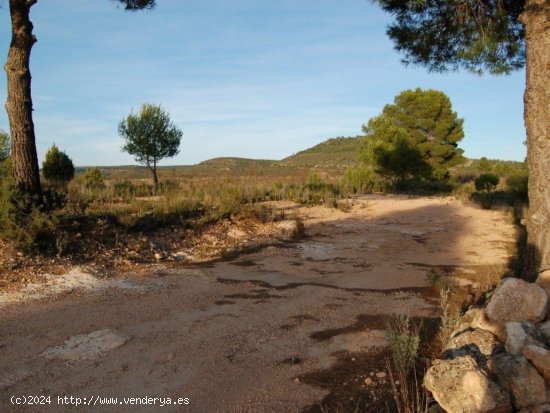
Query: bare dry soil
{"x": 284, "y": 327}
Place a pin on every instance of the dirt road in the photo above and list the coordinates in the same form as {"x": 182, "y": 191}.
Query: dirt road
{"x": 251, "y": 334}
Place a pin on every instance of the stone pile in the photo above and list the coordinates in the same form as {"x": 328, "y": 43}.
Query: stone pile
{"x": 498, "y": 359}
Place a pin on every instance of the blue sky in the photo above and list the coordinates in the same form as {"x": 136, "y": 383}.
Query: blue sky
{"x": 248, "y": 78}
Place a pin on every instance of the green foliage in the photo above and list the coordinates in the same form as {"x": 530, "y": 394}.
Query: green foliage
{"x": 484, "y": 164}
{"x": 486, "y": 182}
{"x": 404, "y": 340}
{"x": 28, "y": 227}
{"x": 5, "y": 146}
{"x": 400, "y": 161}
{"x": 420, "y": 126}
{"x": 488, "y": 200}
{"x": 57, "y": 168}
{"x": 126, "y": 190}
{"x": 447, "y": 35}
{"x": 316, "y": 184}
{"x": 93, "y": 179}
{"x": 499, "y": 167}
{"x": 336, "y": 153}
{"x": 362, "y": 180}
{"x": 6, "y": 188}
{"x": 6, "y": 173}
{"x": 150, "y": 135}
{"x": 133, "y": 5}
{"x": 518, "y": 184}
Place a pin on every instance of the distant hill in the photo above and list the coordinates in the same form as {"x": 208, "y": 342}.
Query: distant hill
{"x": 339, "y": 153}
{"x": 228, "y": 164}
{"x": 333, "y": 154}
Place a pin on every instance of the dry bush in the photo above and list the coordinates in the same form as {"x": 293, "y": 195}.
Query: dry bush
{"x": 409, "y": 395}
{"x": 404, "y": 339}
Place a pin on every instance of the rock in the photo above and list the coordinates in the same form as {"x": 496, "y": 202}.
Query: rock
{"x": 180, "y": 256}
{"x": 543, "y": 280}
{"x": 436, "y": 408}
{"x": 295, "y": 360}
{"x": 515, "y": 337}
{"x": 381, "y": 375}
{"x": 544, "y": 328}
{"x": 236, "y": 233}
{"x": 516, "y": 375}
{"x": 540, "y": 358}
{"x": 465, "y": 322}
{"x": 459, "y": 385}
{"x": 9, "y": 379}
{"x": 518, "y": 335}
{"x": 482, "y": 322}
{"x": 368, "y": 381}
{"x": 517, "y": 300}
{"x": 543, "y": 408}
{"x": 479, "y": 344}
{"x": 86, "y": 346}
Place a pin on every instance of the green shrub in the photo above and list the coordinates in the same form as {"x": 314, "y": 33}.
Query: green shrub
{"x": 28, "y": 226}
{"x": 518, "y": 185}
{"x": 486, "y": 182}
{"x": 125, "y": 190}
{"x": 488, "y": 200}
{"x": 484, "y": 164}
{"x": 6, "y": 174}
{"x": 404, "y": 340}
{"x": 57, "y": 167}
{"x": 420, "y": 186}
{"x": 464, "y": 178}
{"x": 362, "y": 180}
{"x": 167, "y": 187}
{"x": 314, "y": 182}
{"x": 5, "y": 146}
{"x": 93, "y": 179}
{"x": 464, "y": 190}
{"x": 144, "y": 190}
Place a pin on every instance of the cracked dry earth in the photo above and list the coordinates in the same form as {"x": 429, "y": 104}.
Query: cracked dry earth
{"x": 274, "y": 330}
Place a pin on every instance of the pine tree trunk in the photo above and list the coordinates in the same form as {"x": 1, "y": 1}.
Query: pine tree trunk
{"x": 536, "y": 19}
{"x": 19, "y": 101}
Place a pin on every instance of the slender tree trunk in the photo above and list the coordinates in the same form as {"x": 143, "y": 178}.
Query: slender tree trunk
{"x": 536, "y": 19}
{"x": 19, "y": 102}
{"x": 155, "y": 178}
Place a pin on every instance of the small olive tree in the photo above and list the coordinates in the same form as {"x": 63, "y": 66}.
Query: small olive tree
{"x": 57, "y": 168}
{"x": 150, "y": 136}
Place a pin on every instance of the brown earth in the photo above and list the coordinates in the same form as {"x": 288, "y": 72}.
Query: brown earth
{"x": 285, "y": 327}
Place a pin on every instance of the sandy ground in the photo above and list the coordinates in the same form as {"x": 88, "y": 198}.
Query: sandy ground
{"x": 243, "y": 334}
